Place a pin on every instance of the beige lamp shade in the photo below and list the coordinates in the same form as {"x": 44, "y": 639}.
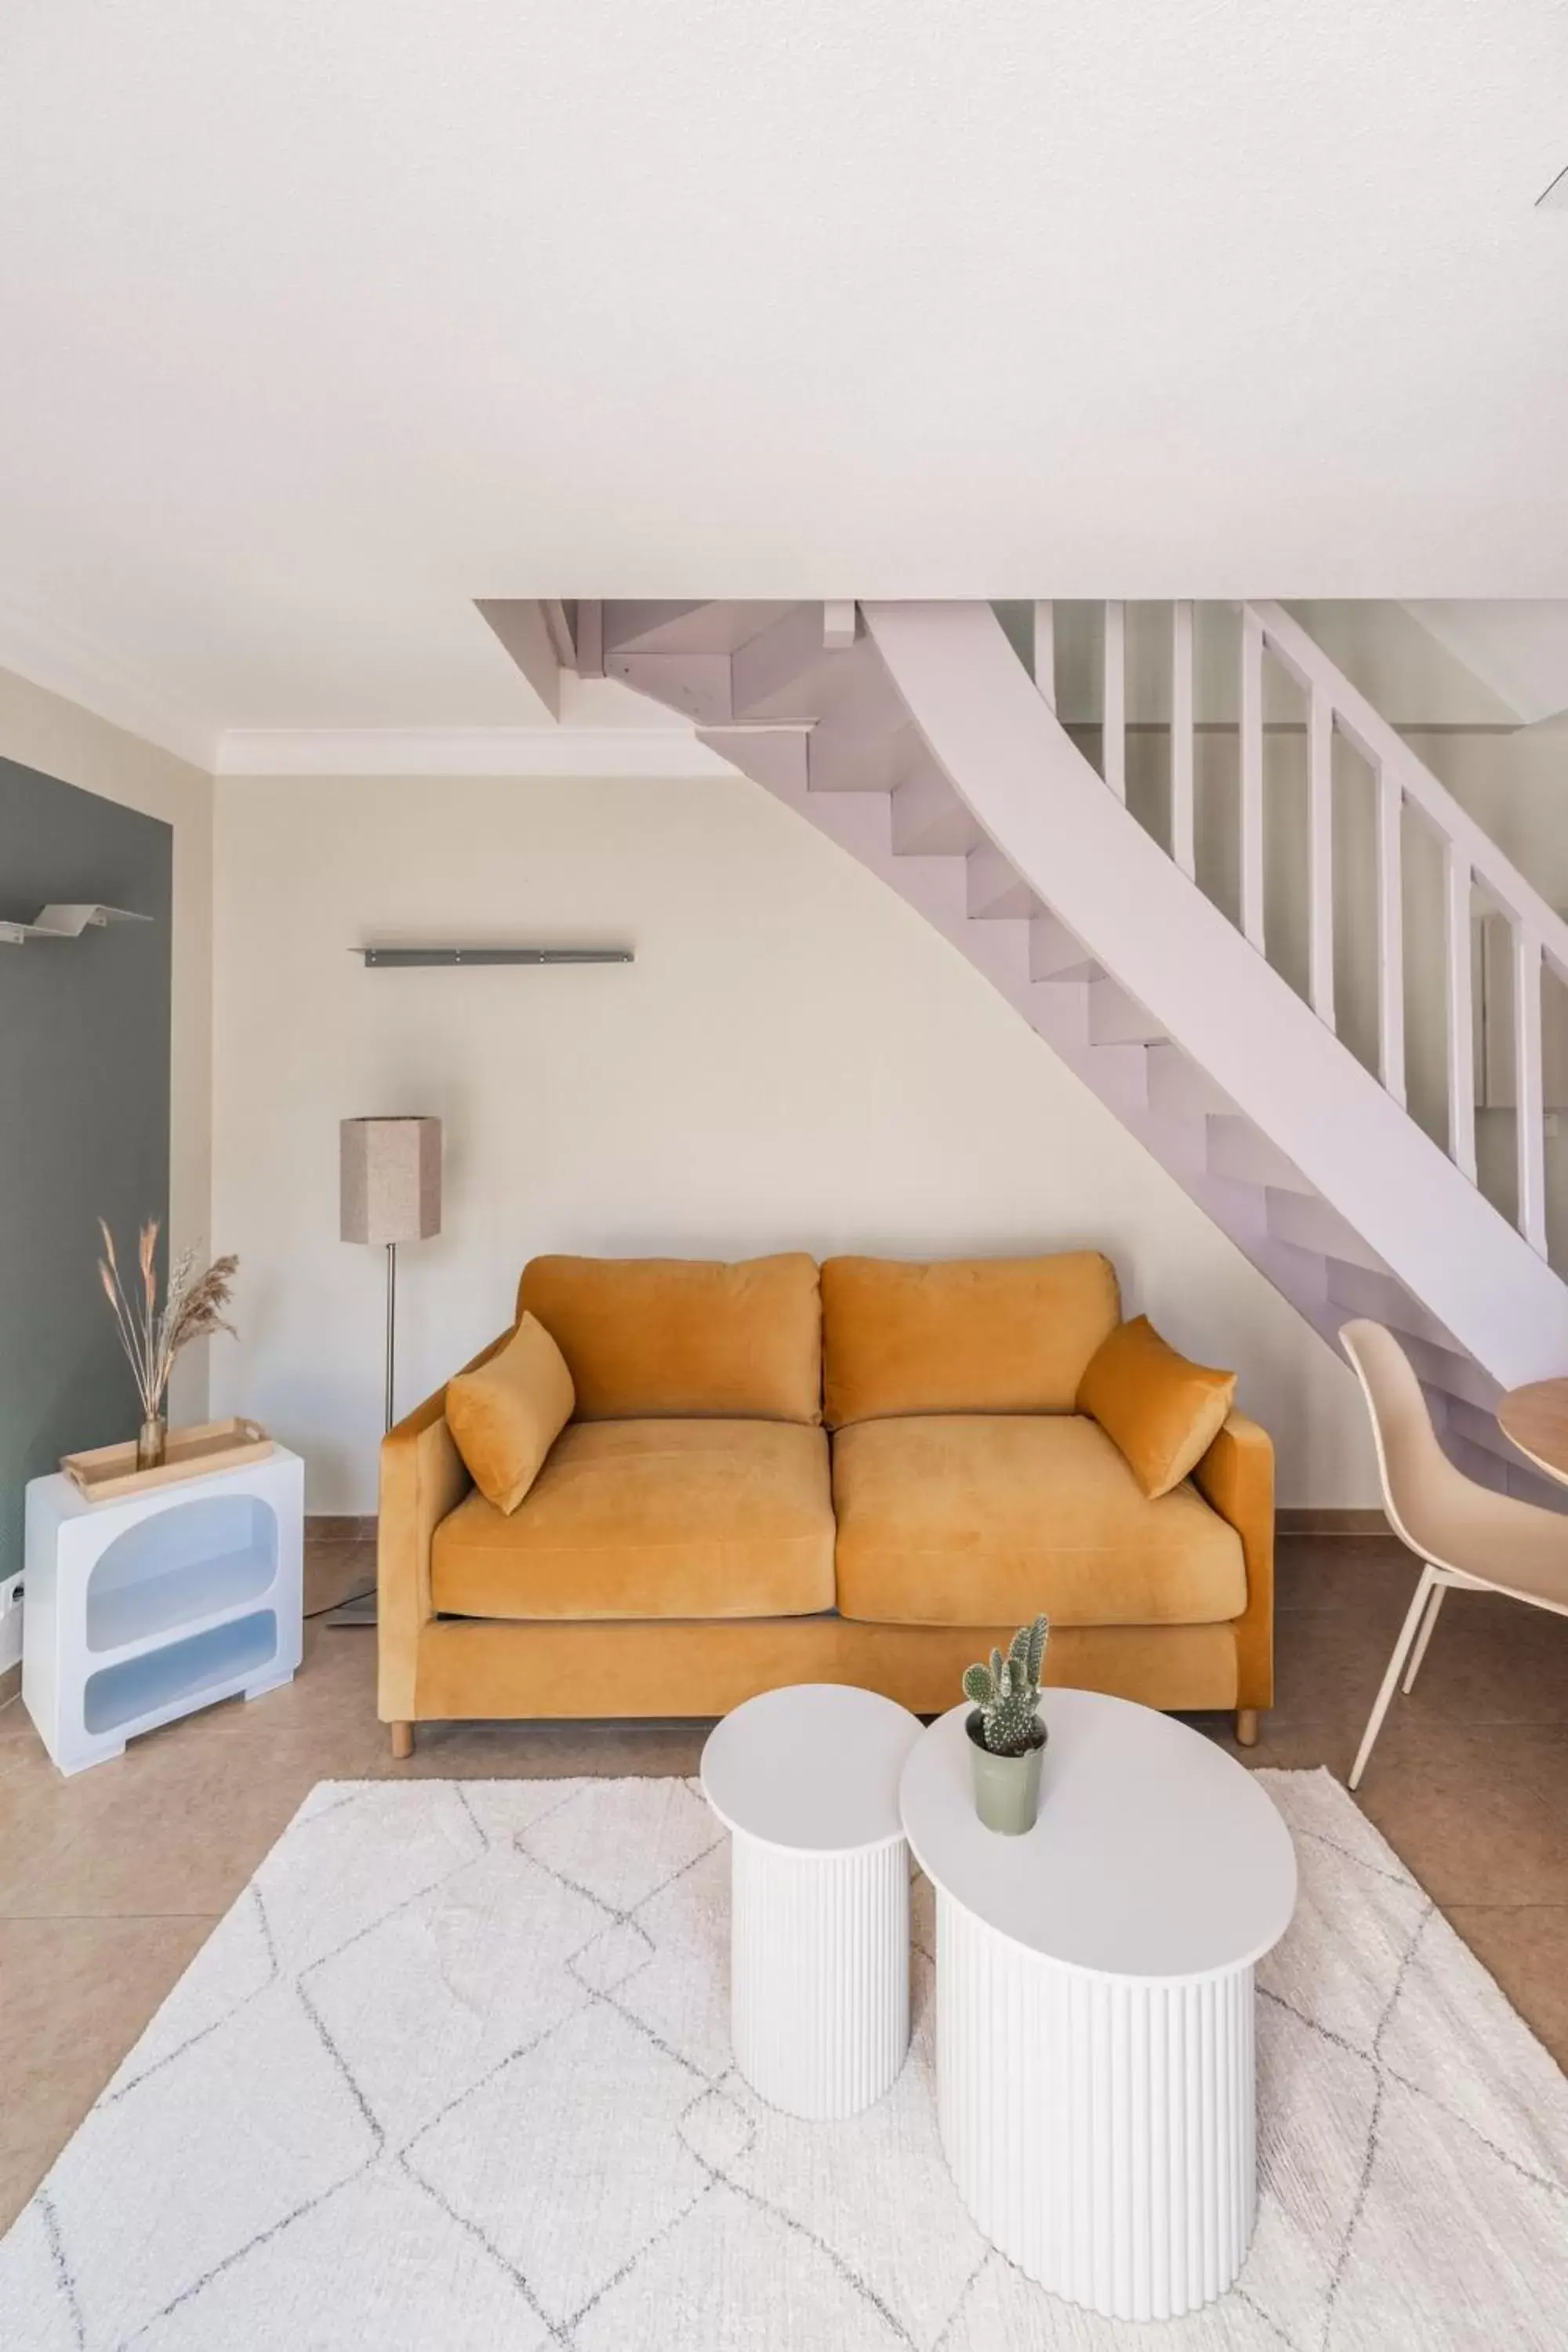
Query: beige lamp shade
{"x": 391, "y": 1179}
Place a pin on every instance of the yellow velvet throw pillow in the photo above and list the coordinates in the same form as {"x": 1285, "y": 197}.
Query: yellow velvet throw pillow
{"x": 505, "y": 1415}
{"x": 1160, "y": 1410}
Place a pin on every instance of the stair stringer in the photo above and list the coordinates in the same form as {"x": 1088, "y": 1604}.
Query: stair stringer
{"x": 1038, "y": 801}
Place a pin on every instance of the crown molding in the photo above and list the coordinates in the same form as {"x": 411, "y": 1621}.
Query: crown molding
{"x": 60, "y": 660}
{"x": 644, "y": 752}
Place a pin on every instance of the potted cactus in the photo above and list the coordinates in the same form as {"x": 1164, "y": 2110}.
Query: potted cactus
{"x": 1007, "y": 1738}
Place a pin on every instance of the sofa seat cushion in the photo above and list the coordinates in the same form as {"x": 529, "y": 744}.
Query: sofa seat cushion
{"x": 982, "y": 1519}
{"x": 650, "y": 1519}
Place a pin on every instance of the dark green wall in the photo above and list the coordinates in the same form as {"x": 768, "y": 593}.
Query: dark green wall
{"x": 84, "y": 1117}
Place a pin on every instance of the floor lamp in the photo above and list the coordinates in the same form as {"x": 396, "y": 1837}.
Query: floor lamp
{"x": 390, "y": 1178}
{"x": 391, "y": 1193}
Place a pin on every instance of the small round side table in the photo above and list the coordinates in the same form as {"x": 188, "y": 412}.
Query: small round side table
{"x": 806, "y": 1781}
{"x": 1094, "y": 1992}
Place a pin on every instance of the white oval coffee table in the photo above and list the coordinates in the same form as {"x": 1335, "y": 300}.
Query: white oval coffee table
{"x": 1095, "y": 2001}
{"x": 806, "y": 1780}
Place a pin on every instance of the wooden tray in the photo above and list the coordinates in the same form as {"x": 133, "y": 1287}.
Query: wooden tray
{"x": 110, "y": 1472}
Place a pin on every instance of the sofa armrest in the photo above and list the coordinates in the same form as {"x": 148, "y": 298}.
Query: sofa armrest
{"x": 423, "y": 1477}
{"x": 1236, "y": 1478}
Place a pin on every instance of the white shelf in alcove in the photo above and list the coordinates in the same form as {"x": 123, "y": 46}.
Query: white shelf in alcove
{"x": 165, "y": 1601}
{"x": 190, "y": 1618}
{"x": 206, "y": 1556}
{"x": 172, "y": 1679}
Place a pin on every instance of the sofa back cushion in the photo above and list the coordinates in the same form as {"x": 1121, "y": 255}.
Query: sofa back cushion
{"x": 964, "y": 1335}
{"x": 688, "y": 1337}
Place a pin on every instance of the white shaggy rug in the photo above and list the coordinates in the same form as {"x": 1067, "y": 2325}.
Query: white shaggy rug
{"x": 454, "y": 2076}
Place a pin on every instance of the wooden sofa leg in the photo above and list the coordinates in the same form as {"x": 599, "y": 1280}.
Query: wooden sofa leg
{"x": 403, "y": 1741}
{"x": 1246, "y": 1727}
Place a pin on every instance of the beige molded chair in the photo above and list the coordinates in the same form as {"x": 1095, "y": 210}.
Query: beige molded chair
{"x": 1464, "y": 1534}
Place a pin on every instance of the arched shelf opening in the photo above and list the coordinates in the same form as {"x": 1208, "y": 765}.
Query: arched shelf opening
{"x": 189, "y": 1562}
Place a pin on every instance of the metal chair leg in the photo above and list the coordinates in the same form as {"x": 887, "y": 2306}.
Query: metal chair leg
{"x": 1419, "y": 1651}
{"x": 1407, "y": 1633}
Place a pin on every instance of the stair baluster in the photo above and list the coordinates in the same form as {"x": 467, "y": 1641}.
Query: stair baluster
{"x": 1458, "y": 949}
{"x": 1182, "y": 846}
{"x": 1113, "y": 753}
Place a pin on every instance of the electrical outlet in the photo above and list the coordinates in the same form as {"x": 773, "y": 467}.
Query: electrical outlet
{"x": 10, "y": 1622}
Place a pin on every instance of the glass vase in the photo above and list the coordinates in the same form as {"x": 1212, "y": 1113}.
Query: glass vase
{"x": 152, "y": 1443}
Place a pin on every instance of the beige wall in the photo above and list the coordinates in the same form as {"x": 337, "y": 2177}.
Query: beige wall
{"x": 794, "y": 1060}
{"x": 45, "y": 731}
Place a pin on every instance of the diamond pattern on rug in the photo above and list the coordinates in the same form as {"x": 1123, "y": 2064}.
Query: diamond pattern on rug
{"x": 719, "y": 2127}
{"x": 206, "y": 2160}
{"x": 1342, "y": 1986}
{"x": 469, "y": 1972}
{"x": 1391, "y": 2281}
{"x": 431, "y": 2283}
{"x": 624, "y": 1853}
{"x": 503, "y": 1811}
{"x": 615, "y": 1954}
{"x": 734, "y": 2274}
{"x": 686, "y": 2007}
{"x": 1316, "y": 2102}
{"x": 236, "y": 1962}
{"x": 589, "y": 2118}
{"x": 1446, "y": 2040}
{"x": 455, "y": 2071}
{"x": 917, "y": 2271}
{"x": 354, "y": 1862}
{"x": 36, "y": 2290}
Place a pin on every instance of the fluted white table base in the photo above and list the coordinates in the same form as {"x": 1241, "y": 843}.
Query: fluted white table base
{"x": 820, "y": 1974}
{"x": 1101, "y": 2130}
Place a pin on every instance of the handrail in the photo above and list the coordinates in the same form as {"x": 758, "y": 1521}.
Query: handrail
{"x": 1035, "y": 794}
{"x": 1382, "y": 746}
{"x": 1471, "y": 859}
{"x": 1469, "y": 856}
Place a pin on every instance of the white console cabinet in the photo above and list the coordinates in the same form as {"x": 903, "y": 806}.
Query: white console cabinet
{"x": 138, "y": 1610}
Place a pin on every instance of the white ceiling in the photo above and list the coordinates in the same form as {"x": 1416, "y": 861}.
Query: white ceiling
{"x": 319, "y": 322}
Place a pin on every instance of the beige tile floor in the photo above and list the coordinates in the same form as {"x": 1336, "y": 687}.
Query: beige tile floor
{"x": 108, "y": 1883}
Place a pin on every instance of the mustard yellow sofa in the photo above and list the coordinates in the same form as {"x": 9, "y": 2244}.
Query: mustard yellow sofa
{"x": 865, "y": 1472}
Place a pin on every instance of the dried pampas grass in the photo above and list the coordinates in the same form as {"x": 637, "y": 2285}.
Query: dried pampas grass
{"x": 152, "y": 1337}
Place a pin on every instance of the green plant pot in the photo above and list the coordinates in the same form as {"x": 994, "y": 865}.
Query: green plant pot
{"x": 1006, "y": 1787}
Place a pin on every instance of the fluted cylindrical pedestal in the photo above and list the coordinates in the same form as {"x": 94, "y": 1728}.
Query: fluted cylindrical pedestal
{"x": 806, "y": 1781}
{"x": 1100, "y": 2130}
{"x": 820, "y": 1981}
